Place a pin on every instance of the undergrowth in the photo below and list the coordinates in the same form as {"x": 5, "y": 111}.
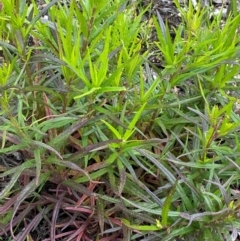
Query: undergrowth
{"x": 97, "y": 143}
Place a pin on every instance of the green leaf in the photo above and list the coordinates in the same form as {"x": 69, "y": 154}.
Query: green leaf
{"x": 100, "y": 208}
{"x": 70, "y": 165}
{"x": 131, "y": 126}
{"x": 94, "y": 175}
{"x": 78, "y": 187}
{"x": 140, "y": 227}
{"x": 123, "y": 176}
{"x": 61, "y": 139}
{"x": 167, "y": 204}
{"x": 112, "y": 129}
{"x": 89, "y": 92}
{"x": 55, "y": 122}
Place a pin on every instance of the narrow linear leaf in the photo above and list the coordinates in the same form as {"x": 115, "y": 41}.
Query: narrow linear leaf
{"x": 10, "y": 184}
{"x": 200, "y": 216}
{"x": 28, "y": 189}
{"x": 91, "y": 148}
{"x": 94, "y": 89}
{"x": 167, "y": 204}
{"x": 100, "y": 213}
{"x": 42, "y": 13}
{"x": 140, "y": 227}
{"x": 123, "y": 176}
{"x": 55, "y": 216}
{"x": 166, "y": 172}
{"x": 45, "y": 146}
{"x": 94, "y": 175}
{"x": 78, "y": 187}
{"x": 132, "y": 124}
{"x": 70, "y": 165}
{"x": 30, "y": 226}
{"x": 38, "y": 161}
{"x": 61, "y": 139}
{"x": 112, "y": 129}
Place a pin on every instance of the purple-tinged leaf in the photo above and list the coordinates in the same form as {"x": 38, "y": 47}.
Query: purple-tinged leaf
{"x": 55, "y": 216}
{"x": 22, "y": 236}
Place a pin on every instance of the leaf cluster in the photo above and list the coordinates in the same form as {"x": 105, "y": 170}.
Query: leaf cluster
{"x": 110, "y": 146}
